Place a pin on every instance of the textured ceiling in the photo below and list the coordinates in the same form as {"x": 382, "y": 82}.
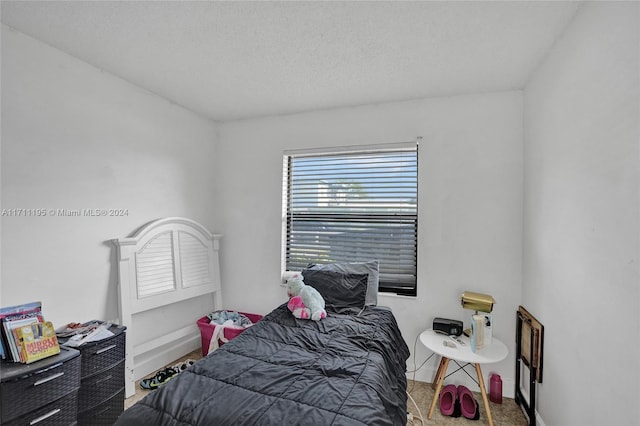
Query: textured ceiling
{"x": 232, "y": 60}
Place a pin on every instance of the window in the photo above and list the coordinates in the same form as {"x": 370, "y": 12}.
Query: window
{"x": 354, "y": 206}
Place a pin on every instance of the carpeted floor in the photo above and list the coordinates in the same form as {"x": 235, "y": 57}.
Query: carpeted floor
{"x": 505, "y": 414}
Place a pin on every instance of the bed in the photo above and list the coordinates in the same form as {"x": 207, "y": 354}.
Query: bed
{"x": 347, "y": 369}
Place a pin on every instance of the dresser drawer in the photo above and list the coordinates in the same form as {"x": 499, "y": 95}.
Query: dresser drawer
{"x": 62, "y": 412}
{"x": 95, "y": 389}
{"x": 104, "y": 414}
{"x": 102, "y": 355}
{"x": 23, "y": 394}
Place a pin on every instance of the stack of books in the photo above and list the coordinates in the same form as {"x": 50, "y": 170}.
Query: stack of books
{"x": 25, "y": 335}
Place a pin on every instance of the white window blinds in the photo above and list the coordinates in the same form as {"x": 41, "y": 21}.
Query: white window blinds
{"x": 354, "y": 207}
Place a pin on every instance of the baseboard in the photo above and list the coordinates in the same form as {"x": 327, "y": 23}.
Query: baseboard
{"x": 539, "y": 419}
{"x": 153, "y": 361}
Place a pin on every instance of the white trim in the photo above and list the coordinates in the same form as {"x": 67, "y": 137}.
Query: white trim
{"x": 356, "y": 149}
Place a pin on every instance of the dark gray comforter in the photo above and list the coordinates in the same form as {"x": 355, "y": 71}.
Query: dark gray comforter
{"x": 347, "y": 369}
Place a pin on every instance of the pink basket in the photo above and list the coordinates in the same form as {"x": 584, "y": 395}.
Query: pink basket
{"x": 207, "y": 330}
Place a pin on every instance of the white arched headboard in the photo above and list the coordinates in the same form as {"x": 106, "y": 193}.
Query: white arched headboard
{"x": 169, "y": 277}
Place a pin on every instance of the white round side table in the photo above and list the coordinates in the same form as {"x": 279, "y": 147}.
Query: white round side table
{"x": 495, "y": 352}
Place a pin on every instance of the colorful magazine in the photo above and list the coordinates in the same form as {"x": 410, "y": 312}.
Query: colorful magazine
{"x": 10, "y": 328}
{"x": 37, "y": 341}
{"x": 18, "y": 315}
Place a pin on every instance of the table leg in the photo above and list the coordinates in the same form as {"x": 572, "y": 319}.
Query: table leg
{"x": 442, "y": 371}
{"x": 483, "y": 391}
{"x": 437, "y": 375}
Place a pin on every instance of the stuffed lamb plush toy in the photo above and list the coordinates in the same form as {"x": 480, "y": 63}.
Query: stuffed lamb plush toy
{"x": 297, "y": 308}
{"x": 309, "y": 296}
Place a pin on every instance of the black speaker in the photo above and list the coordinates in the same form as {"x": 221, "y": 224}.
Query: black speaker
{"x": 447, "y": 326}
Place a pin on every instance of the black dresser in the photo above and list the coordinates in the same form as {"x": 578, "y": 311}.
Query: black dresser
{"x": 43, "y": 393}
{"x": 101, "y": 395}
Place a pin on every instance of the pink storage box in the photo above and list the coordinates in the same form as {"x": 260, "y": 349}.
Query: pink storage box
{"x": 207, "y": 330}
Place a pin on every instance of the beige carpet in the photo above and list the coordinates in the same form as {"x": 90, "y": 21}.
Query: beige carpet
{"x": 507, "y": 413}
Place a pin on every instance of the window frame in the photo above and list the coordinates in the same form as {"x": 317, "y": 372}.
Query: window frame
{"x": 406, "y": 285}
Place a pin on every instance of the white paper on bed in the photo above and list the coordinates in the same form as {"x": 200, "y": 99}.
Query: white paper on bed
{"x": 169, "y": 277}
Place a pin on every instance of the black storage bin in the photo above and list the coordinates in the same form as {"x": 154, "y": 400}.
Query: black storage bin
{"x": 27, "y": 388}
{"x": 101, "y": 395}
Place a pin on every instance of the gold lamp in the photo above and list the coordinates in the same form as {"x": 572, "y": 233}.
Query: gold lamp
{"x": 476, "y": 302}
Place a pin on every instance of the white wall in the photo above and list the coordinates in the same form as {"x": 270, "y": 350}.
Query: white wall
{"x": 581, "y": 218}
{"x": 74, "y": 137}
{"x": 470, "y": 205}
